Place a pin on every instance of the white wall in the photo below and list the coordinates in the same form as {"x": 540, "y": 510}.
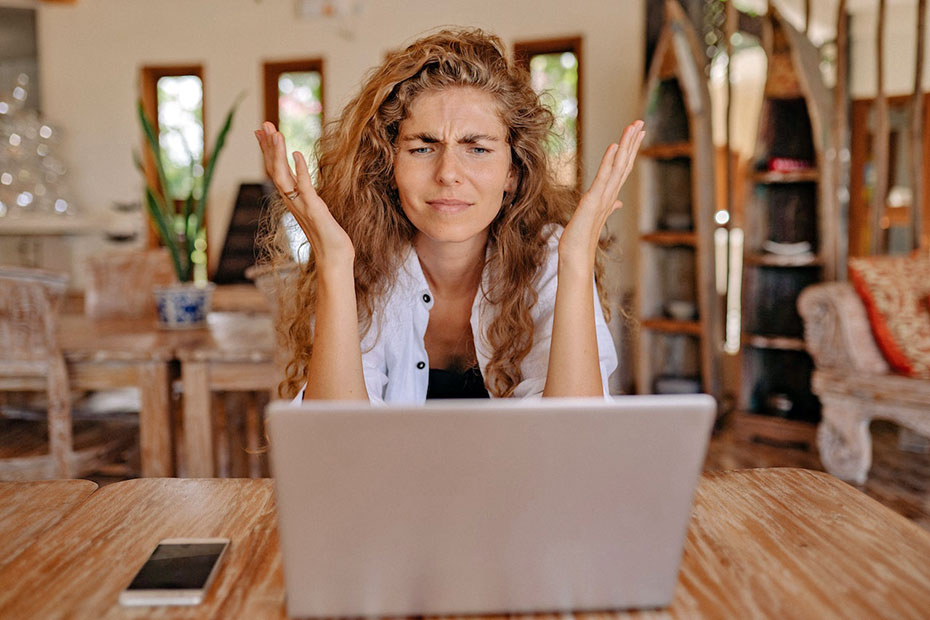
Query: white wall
{"x": 90, "y": 54}
{"x": 900, "y": 49}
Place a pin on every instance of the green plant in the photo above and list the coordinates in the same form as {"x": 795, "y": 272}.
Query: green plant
{"x": 180, "y": 231}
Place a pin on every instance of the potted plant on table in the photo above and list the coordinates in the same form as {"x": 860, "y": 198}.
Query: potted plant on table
{"x": 185, "y": 304}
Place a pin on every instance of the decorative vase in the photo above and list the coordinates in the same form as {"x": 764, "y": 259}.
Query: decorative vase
{"x": 184, "y": 305}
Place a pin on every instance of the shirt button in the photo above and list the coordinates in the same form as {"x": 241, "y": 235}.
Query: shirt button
{"x": 421, "y": 365}
{"x": 426, "y": 298}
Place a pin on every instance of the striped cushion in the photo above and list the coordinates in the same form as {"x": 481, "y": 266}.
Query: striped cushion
{"x": 894, "y": 290}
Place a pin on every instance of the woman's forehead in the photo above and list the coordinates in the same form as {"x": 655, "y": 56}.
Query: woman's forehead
{"x": 454, "y": 112}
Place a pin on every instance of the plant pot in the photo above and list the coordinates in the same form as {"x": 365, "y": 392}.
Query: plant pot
{"x": 183, "y": 306}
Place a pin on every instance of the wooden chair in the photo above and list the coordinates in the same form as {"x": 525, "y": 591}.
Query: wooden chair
{"x": 119, "y": 284}
{"x": 30, "y": 359}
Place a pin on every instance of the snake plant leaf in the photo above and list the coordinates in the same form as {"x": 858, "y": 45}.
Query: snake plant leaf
{"x": 152, "y": 139}
{"x": 191, "y": 229}
{"x": 211, "y": 162}
{"x": 155, "y": 210}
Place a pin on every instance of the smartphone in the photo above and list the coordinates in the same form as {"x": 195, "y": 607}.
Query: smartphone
{"x": 178, "y": 572}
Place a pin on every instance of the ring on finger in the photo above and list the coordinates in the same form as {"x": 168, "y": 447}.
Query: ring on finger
{"x": 293, "y": 194}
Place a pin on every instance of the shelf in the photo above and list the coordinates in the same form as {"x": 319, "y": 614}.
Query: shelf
{"x": 783, "y": 343}
{"x": 670, "y": 237}
{"x": 667, "y": 151}
{"x": 809, "y": 175}
{"x": 42, "y": 225}
{"x": 677, "y": 198}
{"x": 673, "y": 326}
{"x": 760, "y": 259}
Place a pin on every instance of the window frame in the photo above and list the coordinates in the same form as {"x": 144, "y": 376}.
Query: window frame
{"x": 149, "y": 87}
{"x": 524, "y": 51}
{"x": 271, "y": 72}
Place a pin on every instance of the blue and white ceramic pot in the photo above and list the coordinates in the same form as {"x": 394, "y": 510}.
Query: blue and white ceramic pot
{"x": 184, "y": 305}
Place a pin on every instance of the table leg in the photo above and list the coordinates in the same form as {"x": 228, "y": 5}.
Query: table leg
{"x": 155, "y": 420}
{"x": 198, "y": 434}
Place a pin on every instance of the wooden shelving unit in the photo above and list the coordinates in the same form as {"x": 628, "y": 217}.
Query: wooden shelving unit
{"x": 786, "y": 208}
{"x": 679, "y": 313}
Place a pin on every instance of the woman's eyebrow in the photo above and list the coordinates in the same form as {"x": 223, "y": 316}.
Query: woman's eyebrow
{"x": 428, "y": 138}
{"x": 477, "y": 137}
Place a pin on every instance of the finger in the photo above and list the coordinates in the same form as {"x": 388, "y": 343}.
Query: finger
{"x": 632, "y": 157}
{"x": 630, "y": 149}
{"x": 603, "y": 171}
{"x": 282, "y": 175}
{"x": 275, "y": 153}
{"x": 266, "y": 145}
{"x": 304, "y": 181}
{"x": 614, "y": 180}
{"x": 629, "y": 143}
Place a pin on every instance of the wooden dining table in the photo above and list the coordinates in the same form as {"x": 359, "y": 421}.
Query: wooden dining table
{"x": 237, "y": 353}
{"x": 762, "y": 543}
{"x": 112, "y": 353}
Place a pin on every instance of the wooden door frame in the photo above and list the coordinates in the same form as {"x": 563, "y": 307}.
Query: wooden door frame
{"x": 859, "y": 151}
{"x": 271, "y": 71}
{"x": 150, "y": 75}
{"x": 524, "y": 50}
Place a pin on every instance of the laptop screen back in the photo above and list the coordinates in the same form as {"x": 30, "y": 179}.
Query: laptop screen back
{"x": 458, "y": 507}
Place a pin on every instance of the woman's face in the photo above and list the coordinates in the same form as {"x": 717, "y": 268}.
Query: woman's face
{"x": 453, "y": 164}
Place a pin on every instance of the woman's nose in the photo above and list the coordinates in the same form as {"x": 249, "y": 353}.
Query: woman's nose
{"x": 447, "y": 170}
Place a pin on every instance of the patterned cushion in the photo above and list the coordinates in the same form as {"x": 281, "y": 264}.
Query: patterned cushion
{"x": 894, "y": 290}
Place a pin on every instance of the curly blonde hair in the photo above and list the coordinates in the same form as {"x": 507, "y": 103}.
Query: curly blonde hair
{"x": 356, "y": 180}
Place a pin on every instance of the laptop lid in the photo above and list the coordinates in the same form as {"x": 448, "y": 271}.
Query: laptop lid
{"x": 477, "y": 507}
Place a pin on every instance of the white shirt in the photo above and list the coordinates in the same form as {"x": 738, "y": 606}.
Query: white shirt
{"x": 394, "y": 359}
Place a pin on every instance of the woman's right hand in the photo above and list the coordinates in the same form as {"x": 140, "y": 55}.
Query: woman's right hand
{"x": 329, "y": 242}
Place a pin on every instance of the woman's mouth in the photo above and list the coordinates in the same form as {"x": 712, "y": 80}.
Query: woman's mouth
{"x": 448, "y": 205}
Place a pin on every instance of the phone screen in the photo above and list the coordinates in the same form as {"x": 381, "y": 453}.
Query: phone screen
{"x": 178, "y": 566}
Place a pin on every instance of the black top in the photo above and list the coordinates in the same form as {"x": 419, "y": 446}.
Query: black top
{"x": 454, "y": 384}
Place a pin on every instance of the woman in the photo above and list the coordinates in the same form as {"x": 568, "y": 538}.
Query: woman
{"x": 440, "y": 266}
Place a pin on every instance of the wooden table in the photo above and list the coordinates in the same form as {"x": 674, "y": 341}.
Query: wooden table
{"x": 110, "y": 353}
{"x": 104, "y": 354}
{"x": 237, "y": 354}
{"x": 29, "y": 508}
{"x": 779, "y": 543}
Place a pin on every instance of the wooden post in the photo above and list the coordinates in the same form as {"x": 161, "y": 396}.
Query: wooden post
{"x": 880, "y": 141}
{"x": 807, "y": 17}
{"x": 841, "y": 147}
{"x": 917, "y": 129}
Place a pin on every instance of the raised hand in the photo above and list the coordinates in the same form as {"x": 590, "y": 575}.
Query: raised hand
{"x": 574, "y": 368}
{"x": 330, "y": 243}
{"x": 579, "y": 240}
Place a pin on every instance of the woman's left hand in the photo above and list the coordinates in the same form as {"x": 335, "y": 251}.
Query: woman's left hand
{"x": 580, "y": 238}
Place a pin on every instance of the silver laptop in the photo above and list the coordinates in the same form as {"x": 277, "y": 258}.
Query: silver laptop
{"x": 479, "y": 507}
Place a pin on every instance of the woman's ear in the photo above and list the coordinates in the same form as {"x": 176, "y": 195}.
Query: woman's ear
{"x": 511, "y": 183}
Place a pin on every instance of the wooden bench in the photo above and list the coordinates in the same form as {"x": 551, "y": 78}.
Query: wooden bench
{"x": 853, "y": 381}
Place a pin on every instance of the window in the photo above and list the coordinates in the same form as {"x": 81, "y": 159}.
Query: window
{"x": 294, "y": 103}
{"x": 555, "y": 73}
{"x": 173, "y": 98}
